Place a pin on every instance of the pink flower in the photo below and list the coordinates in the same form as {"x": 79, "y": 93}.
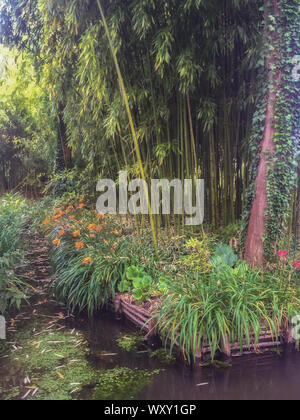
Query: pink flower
{"x": 282, "y": 254}
{"x": 296, "y": 264}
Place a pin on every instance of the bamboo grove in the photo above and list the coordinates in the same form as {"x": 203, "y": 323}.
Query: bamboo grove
{"x": 194, "y": 75}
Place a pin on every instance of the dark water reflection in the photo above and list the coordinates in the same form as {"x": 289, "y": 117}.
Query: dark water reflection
{"x": 266, "y": 377}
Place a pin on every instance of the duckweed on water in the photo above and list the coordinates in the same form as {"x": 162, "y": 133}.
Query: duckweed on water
{"x": 122, "y": 383}
{"x": 56, "y": 363}
{"x": 58, "y": 368}
{"x": 129, "y": 342}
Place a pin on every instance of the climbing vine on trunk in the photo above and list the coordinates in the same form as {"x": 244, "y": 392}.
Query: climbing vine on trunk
{"x": 276, "y": 179}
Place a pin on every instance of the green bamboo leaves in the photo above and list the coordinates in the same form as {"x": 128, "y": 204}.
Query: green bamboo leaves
{"x": 130, "y": 118}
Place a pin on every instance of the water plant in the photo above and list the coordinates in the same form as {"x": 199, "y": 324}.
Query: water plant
{"x": 122, "y": 383}
{"x": 129, "y": 342}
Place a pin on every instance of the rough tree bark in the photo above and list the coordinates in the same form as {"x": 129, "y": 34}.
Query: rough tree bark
{"x": 254, "y": 249}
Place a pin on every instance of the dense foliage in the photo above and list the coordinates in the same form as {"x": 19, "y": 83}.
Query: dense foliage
{"x": 26, "y": 144}
{"x": 191, "y": 93}
{"x": 159, "y": 89}
{"x": 13, "y": 211}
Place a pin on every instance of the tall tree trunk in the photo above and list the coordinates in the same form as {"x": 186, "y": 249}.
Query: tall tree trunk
{"x": 254, "y": 250}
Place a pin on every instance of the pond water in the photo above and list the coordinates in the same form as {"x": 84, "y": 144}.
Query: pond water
{"x": 264, "y": 377}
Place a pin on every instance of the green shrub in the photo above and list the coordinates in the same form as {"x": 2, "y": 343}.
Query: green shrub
{"x": 198, "y": 255}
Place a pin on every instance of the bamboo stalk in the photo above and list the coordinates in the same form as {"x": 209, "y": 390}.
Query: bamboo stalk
{"x": 130, "y": 118}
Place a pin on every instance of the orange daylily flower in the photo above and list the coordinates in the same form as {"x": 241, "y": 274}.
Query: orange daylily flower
{"x": 76, "y": 233}
{"x": 69, "y": 208}
{"x": 56, "y": 242}
{"x": 117, "y": 232}
{"x": 100, "y": 216}
{"x": 72, "y": 217}
{"x": 87, "y": 260}
{"x": 79, "y": 245}
{"x": 61, "y": 232}
{"x": 99, "y": 228}
{"x": 59, "y": 215}
{"x": 81, "y": 206}
{"x": 92, "y": 227}
{"x": 46, "y": 222}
